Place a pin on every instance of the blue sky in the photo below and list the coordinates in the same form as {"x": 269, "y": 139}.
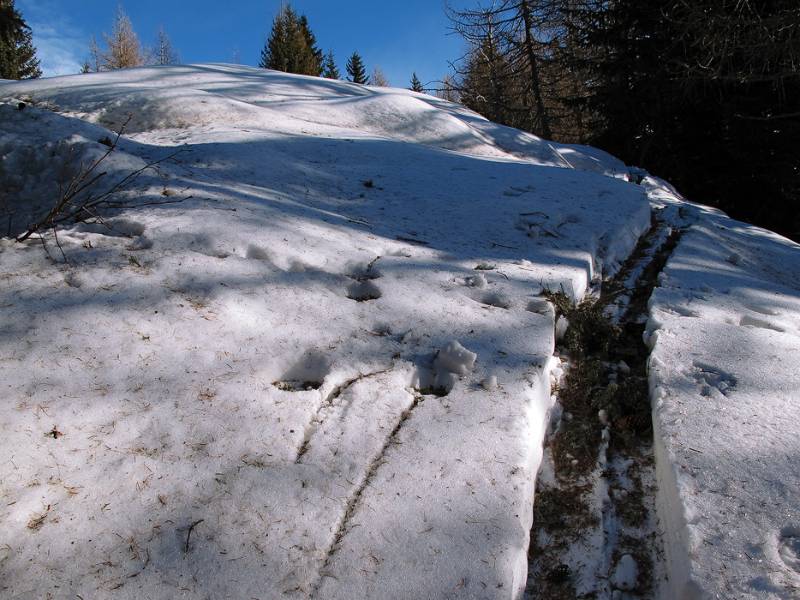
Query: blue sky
{"x": 399, "y": 36}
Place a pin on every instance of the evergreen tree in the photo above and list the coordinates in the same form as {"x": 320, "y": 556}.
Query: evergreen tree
{"x": 10, "y": 19}
{"x": 705, "y": 94}
{"x": 510, "y": 42}
{"x": 416, "y": 84}
{"x": 314, "y": 55}
{"x": 356, "y": 69}
{"x": 291, "y": 46}
{"x": 487, "y": 86}
{"x": 123, "y": 51}
{"x": 330, "y": 70}
{"x": 17, "y": 54}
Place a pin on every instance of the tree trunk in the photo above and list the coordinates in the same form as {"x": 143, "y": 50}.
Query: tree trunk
{"x": 533, "y": 65}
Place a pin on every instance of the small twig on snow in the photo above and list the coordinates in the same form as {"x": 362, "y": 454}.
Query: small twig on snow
{"x": 189, "y": 534}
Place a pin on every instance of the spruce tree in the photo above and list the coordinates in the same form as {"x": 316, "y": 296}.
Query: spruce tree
{"x": 416, "y": 84}
{"x": 291, "y": 46}
{"x": 330, "y": 70}
{"x": 312, "y": 54}
{"x": 486, "y": 85}
{"x": 17, "y": 54}
{"x": 356, "y": 70}
{"x": 10, "y": 19}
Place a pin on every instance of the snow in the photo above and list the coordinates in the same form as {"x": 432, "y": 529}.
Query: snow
{"x": 724, "y": 379}
{"x": 626, "y": 573}
{"x": 234, "y": 394}
{"x": 309, "y": 356}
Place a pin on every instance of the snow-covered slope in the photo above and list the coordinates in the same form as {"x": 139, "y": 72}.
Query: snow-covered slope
{"x": 209, "y": 362}
{"x": 725, "y": 332}
{"x": 308, "y": 356}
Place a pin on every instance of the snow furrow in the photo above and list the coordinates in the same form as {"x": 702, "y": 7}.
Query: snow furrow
{"x": 325, "y": 405}
{"x": 355, "y": 496}
{"x": 607, "y": 542}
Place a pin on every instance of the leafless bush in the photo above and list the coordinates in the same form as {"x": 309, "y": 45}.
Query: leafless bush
{"x": 82, "y": 196}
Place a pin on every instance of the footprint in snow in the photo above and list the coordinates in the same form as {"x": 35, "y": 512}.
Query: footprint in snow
{"x": 363, "y": 275}
{"x": 749, "y": 321}
{"x": 119, "y": 228}
{"x": 306, "y": 374}
{"x": 789, "y": 548}
{"x": 495, "y": 299}
{"x": 713, "y": 382}
{"x": 480, "y": 294}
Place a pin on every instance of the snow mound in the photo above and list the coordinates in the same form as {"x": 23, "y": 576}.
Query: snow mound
{"x": 156, "y": 98}
{"x": 243, "y": 378}
{"x": 725, "y": 326}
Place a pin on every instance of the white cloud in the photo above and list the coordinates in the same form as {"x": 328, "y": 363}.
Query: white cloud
{"x": 60, "y": 45}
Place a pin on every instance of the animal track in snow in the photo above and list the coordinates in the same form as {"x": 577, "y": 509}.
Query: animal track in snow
{"x": 541, "y": 306}
{"x": 789, "y": 548}
{"x": 363, "y": 291}
{"x": 203, "y": 244}
{"x": 515, "y": 191}
{"x": 763, "y": 310}
{"x": 307, "y": 374}
{"x": 495, "y": 299}
{"x": 73, "y": 280}
{"x": 364, "y": 271}
{"x": 119, "y": 228}
{"x": 256, "y": 253}
{"x": 682, "y": 311}
{"x": 713, "y": 380}
{"x": 748, "y": 321}
{"x": 362, "y": 288}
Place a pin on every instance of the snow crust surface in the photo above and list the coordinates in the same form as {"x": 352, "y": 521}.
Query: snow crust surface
{"x": 308, "y": 355}
{"x": 725, "y": 330}
{"x": 322, "y": 371}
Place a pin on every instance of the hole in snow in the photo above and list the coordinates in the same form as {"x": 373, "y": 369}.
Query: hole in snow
{"x": 307, "y": 374}
{"x": 495, "y": 299}
{"x": 256, "y": 253}
{"x": 295, "y": 385}
{"x": 113, "y": 228}
{"x": 748, "y": 321}
{"x": 713, "y": 381}
{"x": 362, "y": 291}
{"x": 364, "y": 271}
{"x": 541, "y": 306}
{"x": 789, "y": 547}
{"x": 428, "y": 383}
